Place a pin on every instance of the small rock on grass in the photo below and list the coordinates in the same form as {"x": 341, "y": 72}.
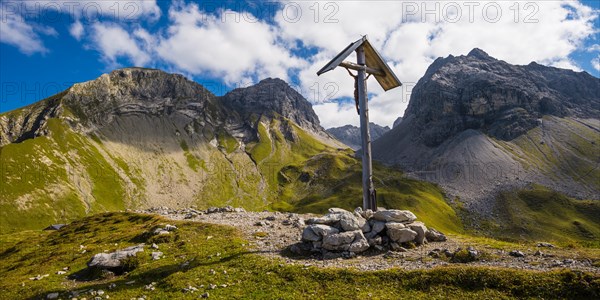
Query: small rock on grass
{"x": 516, "y": 253}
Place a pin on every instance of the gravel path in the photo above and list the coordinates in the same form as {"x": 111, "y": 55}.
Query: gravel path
{"x": 283, "y": 230}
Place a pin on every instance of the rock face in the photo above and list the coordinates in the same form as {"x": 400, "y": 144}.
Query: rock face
{"x": 274, "y": 96}
{"x": 350, "y": 135}
{"x": 397, "y": 122}
{"x": 342, "y": 233}
{"x": 139, "y": 91}
{"x": 480, "y": 92}
{"x": 477, "y": 125}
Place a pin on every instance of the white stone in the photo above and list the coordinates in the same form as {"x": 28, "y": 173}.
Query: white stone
{"x": 421, "y": 231}
{"x": 395, "y": 215}
{"x": 401, "y": 235}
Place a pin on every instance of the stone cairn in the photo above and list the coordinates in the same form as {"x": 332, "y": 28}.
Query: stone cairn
{"x": 341, "y": 233}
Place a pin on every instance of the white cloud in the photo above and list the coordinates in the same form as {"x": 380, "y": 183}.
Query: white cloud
{"x": 217, "y": 44}
{"x": 114, "y": 42}
{"x": 24, "y": 33}
{"x": 593, "y": 48}
{"x": 334, "y": 114}
{"x": 76, "y": 30}
{"x": 596, "y": 63}
{"x": 544, "y": 31}
{"x": 18, "y": 33}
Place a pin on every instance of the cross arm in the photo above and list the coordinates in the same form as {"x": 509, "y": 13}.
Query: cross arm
{"x": 353, "y": 66}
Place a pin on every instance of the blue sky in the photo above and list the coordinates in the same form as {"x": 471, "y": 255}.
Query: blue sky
{"x": 46, "y": 46}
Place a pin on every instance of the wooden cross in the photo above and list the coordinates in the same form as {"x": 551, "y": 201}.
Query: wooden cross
{"x": 368, "y": 61}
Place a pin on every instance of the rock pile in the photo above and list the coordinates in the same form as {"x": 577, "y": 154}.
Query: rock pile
{"x": 344, "y": 233}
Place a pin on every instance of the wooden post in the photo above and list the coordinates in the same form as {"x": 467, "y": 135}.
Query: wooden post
{"x": 387, "y": 79}
{"x": 369, "y": 201}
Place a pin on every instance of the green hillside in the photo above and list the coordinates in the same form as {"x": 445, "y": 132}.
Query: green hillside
{"x": 191, "y": 255}
{"x": 540, "y": 214}
{"x": 65, "y": 175}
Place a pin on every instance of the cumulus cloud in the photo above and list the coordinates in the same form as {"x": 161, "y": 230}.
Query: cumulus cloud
{"x": 224, "y": 45}
{"x": 15, "y": 31}
{"x": 21, "y": 19}
{"x": 594, "y": 48}
{"x": 331, "y": 113}
{"x": 114, "y": 42}
{"x": 76, "y": 30}
{"x": 411, "y": 34}
{"x": 596, "y": 63}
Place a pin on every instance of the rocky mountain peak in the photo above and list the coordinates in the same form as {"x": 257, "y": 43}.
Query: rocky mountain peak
{"x": 140, "y": 84}
{"x": 134, "y": 90}
{"x": 351, "y": 135}
{"x": 397, "y": 122}
{"x": 273, "y": 95}
{"x": 502, "y": 100}
{"x": 479, "y": 54}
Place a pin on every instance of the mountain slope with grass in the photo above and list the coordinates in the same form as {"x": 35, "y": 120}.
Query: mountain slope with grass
{"x": 138, "y": 138}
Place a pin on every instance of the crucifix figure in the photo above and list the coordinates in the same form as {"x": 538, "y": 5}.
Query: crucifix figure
{"x": 368, "y": 61}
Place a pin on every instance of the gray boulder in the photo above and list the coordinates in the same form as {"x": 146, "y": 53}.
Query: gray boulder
{"x": 316, "y": 232}
{"x": 421, "y": 231}
{"x": 360, "y": 243}
{"x": 157, "y": 255}
{"x": 338, "y": 217}
{"x": 367, "y": 214}
{"x": 338, "y": 241}
{"x": 336, "y": 210}
{"x": 376, "y": 227}
{"x": 395, "y": 215}
{"x": 362, "y": 222}
{"x": 114, "y": 259}
{"x": 375, "y": 241}
{"x": 308, "y": 235}
{"x": 394, "y": 226}
{"x": 160, "y": 231}
{"x": 433, "y": 235}
{"x": 353, "y": 241}
{"x": 399, "y": 234}
{"x": 349, "y": 222}
{"x": 328, "y": 219}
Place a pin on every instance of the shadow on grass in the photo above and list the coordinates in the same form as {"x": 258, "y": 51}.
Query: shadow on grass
{"x": 139, "y": 280}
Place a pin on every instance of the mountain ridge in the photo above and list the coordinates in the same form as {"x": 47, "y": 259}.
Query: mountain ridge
{"x": 350, "y": 135}
{"x": 479, "y": 126}
{"x": 111, "y": 144}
